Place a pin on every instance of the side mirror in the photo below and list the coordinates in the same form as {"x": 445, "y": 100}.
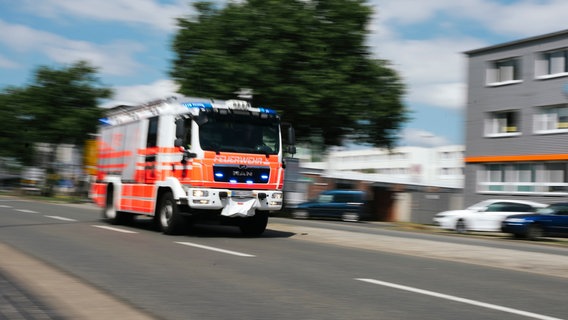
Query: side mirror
{"x": 290, "y": 139}
{"x": 291, "y": 136}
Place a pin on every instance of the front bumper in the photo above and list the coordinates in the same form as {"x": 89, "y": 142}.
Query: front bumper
{"x": 214, "y": 199}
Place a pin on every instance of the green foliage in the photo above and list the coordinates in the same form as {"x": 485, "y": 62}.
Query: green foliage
{"x": 59, "y": 106}
{"x": 307, "y": 59}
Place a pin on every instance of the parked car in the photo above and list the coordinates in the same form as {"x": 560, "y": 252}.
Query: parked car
{"x": 549, "y": 221}
{"x": 484, "y": 216}
{"x": 347, "y": 205}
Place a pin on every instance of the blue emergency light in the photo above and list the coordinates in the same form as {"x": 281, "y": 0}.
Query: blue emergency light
{"x": 190, "y": 105}
{"x": 266, "y": 110}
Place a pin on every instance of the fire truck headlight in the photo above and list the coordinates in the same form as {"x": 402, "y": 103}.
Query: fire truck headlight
{"x": 276, "y": 199}
{"x": 200, "y": 193}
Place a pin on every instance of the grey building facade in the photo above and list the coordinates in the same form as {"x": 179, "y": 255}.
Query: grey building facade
{"x": 517, "y": 120}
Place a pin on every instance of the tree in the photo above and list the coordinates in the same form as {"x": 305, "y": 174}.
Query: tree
{"x": 59, "y": 106}
{"x": 307, "y": 59}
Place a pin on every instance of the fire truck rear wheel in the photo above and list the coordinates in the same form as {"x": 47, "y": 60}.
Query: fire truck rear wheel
{"x": 113, "y": 216}
{"x": 170, "y": 220}
{"x": 254, "y": 226}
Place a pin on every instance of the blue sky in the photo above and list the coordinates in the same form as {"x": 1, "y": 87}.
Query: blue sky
{"x": 129, "y": 41}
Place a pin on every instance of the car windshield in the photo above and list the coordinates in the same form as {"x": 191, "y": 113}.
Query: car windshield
{"x": 480, "y": 205}
{"x": 240, "y": 133}
{"x": 325, "y": 198}
{"x": 547, "y": 210}
{"x": 554, "y": 209}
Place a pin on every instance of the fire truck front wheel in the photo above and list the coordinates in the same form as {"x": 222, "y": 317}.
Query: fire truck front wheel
{"x": 254, "y": 226}
{"x": 170, "y": 220}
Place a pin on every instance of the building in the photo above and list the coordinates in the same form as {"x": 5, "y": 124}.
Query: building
{"x": 517, "y": 120}
{"x": 433, "y": 166}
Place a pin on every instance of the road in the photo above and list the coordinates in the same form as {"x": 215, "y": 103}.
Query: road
{"x": 83, "y": 268}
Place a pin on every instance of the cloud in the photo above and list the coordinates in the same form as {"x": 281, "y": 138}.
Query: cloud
{"x": 433, "y": 69}
{"x": 422, "y": 138}
{"x": 115, "y": 58}
{"x": 522, "y": 18}
{"x": 445, "y": 95}
{"x": 142, "y": 12}
{"x": 432, "y": 64}
{"x": 142, "y": 93}
{"x": 7, "y": 63}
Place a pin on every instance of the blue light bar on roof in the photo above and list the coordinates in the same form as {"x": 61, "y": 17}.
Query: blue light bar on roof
{"x": 104, "y": 121}
{"x": 266, "y": 110}
{"x": 206, "y": 105}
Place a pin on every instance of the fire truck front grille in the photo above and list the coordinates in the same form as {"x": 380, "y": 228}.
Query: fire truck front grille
{"x": 241, "y": 174}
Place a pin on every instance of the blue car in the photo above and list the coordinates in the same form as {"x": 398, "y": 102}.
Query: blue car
{"x": 549, "y": 221}
{"x": 347, "y": 205}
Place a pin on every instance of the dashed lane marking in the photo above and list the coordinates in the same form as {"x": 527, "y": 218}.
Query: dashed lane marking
{"x": 458, "y": 299}
{"x": 235, "y": 253}
{"x": 114, "y": 229}
{"x": 61, "y": 218}
{"x": 26, "y": 211}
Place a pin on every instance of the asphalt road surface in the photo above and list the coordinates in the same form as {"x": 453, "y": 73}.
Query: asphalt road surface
{"x": 62, "y": 262}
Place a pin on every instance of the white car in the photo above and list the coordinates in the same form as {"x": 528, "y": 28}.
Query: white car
{"x": 484, "y": 216}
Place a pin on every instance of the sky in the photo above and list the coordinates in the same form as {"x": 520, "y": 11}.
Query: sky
{"x": 130, "y": 42}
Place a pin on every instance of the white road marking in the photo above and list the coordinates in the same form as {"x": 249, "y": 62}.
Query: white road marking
{"x": 5, "y": 206}
{"x": 114, "y": 229}
{"x": 216, "y": 249}
{"x": 60, "y": 218}
{"x": 26, "y": 211}
{"x": 458, "y": 299}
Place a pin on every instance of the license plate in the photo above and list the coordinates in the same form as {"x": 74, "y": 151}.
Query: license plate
{"x": 241, "y": 194}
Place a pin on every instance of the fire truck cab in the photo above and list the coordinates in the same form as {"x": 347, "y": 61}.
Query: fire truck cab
{"x": 183, "y": 160}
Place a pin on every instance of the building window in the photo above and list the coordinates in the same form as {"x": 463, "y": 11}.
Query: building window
{"x": 551, "y": 64}
{"x": 545, "y": 178}
{"x": 503, "y": 123}
{"x": 524, "y": 177}
{"x": 551, "y": 119}
{"x": 556, "y": 176}
{"x": 504, "y": 72}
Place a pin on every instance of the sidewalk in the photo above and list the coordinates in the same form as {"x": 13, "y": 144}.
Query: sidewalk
{"x": 541, "y": 263}
{"x": 34, "y": 290}
{"x": 17, "y": 303}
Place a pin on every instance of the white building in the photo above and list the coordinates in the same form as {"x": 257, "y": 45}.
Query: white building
{"x": 440, "y": 166}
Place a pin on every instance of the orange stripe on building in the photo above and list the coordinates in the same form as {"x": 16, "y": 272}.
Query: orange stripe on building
{"x": 517, "y": 158}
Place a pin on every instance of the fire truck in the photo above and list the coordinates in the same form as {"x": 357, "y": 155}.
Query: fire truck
{"x": 182, "y": 160}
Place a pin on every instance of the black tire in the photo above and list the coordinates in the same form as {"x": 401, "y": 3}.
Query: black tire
{"x": 300, "y": 214}
{"x": 461, "y": 227}
{"x": 350, "y": 217}
{"x": 110, "y": 214}
{"x": 168, "y": 217}
{"x": 534, "y": 231}
{"x": 518, "y": 236}
{"x": 254, "y": 226}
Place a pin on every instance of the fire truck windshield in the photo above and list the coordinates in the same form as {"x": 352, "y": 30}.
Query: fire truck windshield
{"x": 246, "y": 134}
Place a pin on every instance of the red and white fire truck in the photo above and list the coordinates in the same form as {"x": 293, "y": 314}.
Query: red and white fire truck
{"x": 184, "y": 159}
